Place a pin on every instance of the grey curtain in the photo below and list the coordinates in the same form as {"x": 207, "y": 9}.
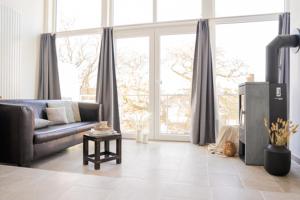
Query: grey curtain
{"x": 284, "y": 54}
{"x": 203, "y": 101}
{"x": 107, "y": 93}
{"x": 49, "y": 87}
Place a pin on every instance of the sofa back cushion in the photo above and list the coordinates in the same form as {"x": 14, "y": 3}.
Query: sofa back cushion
{"x": 68, "y": 108}
{"x": 76, "y": 112}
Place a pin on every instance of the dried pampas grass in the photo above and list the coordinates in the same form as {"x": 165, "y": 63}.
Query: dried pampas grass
{"x": 280, "y": 131}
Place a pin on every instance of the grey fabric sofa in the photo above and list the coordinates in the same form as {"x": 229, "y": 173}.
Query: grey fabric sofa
{"x": 21, "y": 144}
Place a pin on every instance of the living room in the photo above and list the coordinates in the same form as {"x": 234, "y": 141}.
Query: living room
{"x": 149, "y": 99}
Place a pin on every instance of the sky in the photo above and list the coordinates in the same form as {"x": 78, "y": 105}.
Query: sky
{"x": 86, "y": 13}
{"x": 247, "y": 7}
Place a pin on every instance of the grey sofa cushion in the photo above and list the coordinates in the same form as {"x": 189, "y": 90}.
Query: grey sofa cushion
{"x": 59, "y": 131}
{"x": 68, "y": 108}
{"x": 57, "y": 115}
{"x": 76, "y": 111}
{"x": 69, "y": 111}
{"x": 41, "y": 123}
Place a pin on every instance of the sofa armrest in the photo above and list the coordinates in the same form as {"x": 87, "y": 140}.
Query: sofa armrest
{"x": 90, "y": 111}
{"x": 16, "y": 134}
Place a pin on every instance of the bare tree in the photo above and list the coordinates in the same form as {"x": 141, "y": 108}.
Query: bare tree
{"x": 229, "y": 73}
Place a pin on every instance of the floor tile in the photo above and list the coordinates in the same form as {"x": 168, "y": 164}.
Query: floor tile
{"x": 154, "y": 171}
{"x": 280, "y": 196}
{"x": 262, "y": 185}
{"x": 186, "y": 191}
{"x": 224, "y": 180}
{"x": 85, "y": 193}
{"x": 222, "y": 193}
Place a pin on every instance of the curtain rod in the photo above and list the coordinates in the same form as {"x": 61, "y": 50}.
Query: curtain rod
{"x": 221, "y": 20}
{"x": 244, "y": 16}
{"x": 262, "y": 17}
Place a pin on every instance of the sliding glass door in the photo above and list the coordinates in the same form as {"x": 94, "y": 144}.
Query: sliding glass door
{"x": 154, "y": 74}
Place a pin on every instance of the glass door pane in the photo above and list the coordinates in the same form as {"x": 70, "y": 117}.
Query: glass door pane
{"x": 176, "y": 62}
{"x": 133, "y": 83}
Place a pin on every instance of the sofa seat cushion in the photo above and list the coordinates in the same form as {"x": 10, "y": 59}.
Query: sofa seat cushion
{"x": 59, "y": 131}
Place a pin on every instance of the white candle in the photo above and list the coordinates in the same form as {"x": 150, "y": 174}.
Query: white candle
{"x": 145, "y": 138}
{"x": 139, "y": 136}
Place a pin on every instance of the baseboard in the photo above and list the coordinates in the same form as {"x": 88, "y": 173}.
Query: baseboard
{"x": 296, "y": 159}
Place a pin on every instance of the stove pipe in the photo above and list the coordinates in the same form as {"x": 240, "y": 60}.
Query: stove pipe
{"x": 272, "y": 60}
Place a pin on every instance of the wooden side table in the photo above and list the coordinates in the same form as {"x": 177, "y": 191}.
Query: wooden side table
{"x": 108, "y": 155}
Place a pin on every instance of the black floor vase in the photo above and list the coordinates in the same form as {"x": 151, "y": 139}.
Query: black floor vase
{"x": 277, "y": 160}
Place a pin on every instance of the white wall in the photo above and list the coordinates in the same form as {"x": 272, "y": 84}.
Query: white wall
{"x": 295, "y": 78}
{"x": 32, "y": 19}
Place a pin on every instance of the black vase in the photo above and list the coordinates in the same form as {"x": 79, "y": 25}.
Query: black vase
{"x": 277, "y": 160}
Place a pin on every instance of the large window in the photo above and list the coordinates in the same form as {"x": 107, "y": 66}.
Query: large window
{"x": 240, "y": 57}
{"x": 78, "y": 53}
{"x": 240, "y": 48}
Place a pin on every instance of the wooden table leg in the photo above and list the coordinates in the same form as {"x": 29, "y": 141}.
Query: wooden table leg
{"x": 106, "y": 144}
{"x": 85, "y": 151}
{"x": 119, "y": 150}
{"x": 97, "y": 155}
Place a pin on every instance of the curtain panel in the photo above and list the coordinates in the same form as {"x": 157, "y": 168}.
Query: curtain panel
{"x": 107, "y": 93}
{"x": 203, "y": 97}
{"x": 49, "y": 87}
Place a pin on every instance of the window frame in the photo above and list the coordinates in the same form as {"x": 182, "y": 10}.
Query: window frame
{"x": 153, "y": 30}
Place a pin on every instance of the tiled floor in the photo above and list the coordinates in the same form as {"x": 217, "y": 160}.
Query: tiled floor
{"x": 158, "y": 170}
